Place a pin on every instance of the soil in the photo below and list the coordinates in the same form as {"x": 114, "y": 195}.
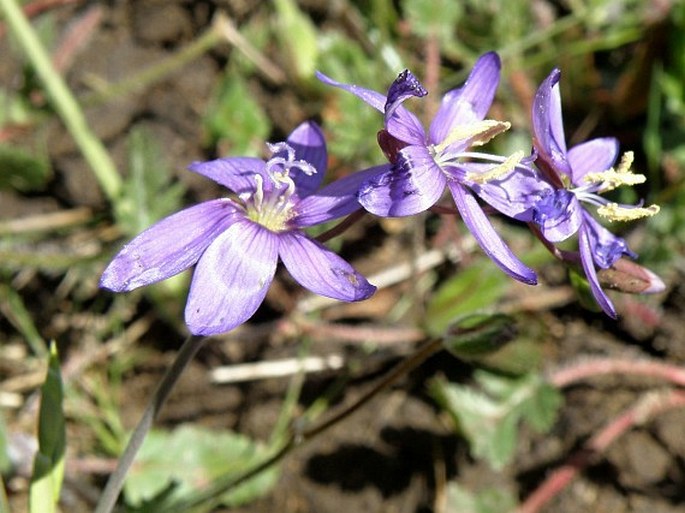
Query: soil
{"x": 397, "y": 453}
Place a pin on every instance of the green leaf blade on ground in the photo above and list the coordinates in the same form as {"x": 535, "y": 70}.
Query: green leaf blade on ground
{"x": 21, "y": 170}
{"x": 193, "y": 458}
{"x": 488, "y": 414}
{"x": 470, "y": 290}
{"x": 233, "y": 105}
{"x": 48, "y": 469}
{"x": 148, "y": 193}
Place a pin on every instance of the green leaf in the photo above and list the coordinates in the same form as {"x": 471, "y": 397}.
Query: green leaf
{"x": 472, "y": 289}
{"x": 479, "y": 334}
{"x": 5, "y": 462}
{"x": 489, "y": 416}
{"x": 147, "y": 193}
{"x": 48, "y": 466}
{"x": 193, "y": 457}
{"x": 540, "y": 410}
{"x": 488, "y": 500}
{"x": 582, "y": 287}
{"x": 234, "y": 120}
{"x": 298, "y": 36}
{"x": 344, "y": 60}
{"x": 433, "y": 18}
{"x": 20, "y": 317}
{"x": 21, "y": 170}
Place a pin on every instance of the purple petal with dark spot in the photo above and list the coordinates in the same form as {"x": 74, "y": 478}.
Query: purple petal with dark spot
{"x": 515, "y": 194}
{"x": 405, "y": 86}
{"x": 606, "y": 247}
{"x": 414, "y": 184}
{"x": 318, "y": 269}
{"x": 402, "y": 124}
{"x": 559, "y": 214}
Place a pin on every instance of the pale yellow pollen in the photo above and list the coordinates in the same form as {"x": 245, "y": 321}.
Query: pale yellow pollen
{"x": 497, "y": 171}
{"x": 613, "y": 178}
{"x": 477, "y": 134}
{"x": 615, "y": 212}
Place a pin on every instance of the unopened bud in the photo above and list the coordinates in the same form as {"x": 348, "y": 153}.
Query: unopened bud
{"x": 627, "y": 276}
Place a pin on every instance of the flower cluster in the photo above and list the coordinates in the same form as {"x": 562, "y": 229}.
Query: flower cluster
{"x": 236, "y": 242}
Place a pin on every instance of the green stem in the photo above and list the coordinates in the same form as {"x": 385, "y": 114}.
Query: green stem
{"x": 116, "y": 481}
{"x": 63, "y": 101}
{"x": 4, "y": 503}
{"x": 20, "y": 317}
{"x": 285, "y": 417}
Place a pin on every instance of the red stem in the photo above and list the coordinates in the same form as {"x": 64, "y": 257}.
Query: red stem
{"x": 600, "y": 366}
{"x": 342, "y": 226}
{"x": 645, "y": 409}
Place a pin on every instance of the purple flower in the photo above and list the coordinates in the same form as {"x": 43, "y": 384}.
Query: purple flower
{"x": 578, "y": 176}
{"x": 236, "y": 242}
{"x": 423, "y": 163}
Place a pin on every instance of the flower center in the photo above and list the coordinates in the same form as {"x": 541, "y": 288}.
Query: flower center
{"x": 270, "y": 204}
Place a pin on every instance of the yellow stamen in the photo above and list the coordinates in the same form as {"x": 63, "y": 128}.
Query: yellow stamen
{"x": 497, "y": 171}
{"x": 626, "y": 162}
{"x": 613, "y": 178}
{"x": 614, "y": 212}
{"x": 477, "y": 134}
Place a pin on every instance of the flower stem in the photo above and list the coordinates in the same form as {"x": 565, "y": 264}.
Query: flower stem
{"x": 341, "y": 226}
{"x": 63, "y": 101}
{"x": 116, "y": 481}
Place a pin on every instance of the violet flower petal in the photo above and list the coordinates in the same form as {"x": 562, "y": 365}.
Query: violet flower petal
{"x": 235, "y": 173}
{"x": 404, "y": 87}
{"x": 479, "y": 226}
{"x": 469, "y": 103}
{"x": 169, "y": 246}
{"x": 399, "y": 122}
{"x": 558, "y": 214}
{"x": 605, "y": 246}
{"x": 318, "y": 269}
{"x": 403, "y": 124}
{"x": 335, "y": 200}
{"x": 412, "y": 185}
{"x": 309, "y": 144}
{"x": 593, "y": 156}
{"x": 373, "y": 98}
{"x": 584, "y": 245}
{"x": 548, "y": 128}
{"x": 231, "y": 278}
{"x": 515, "y": 194}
